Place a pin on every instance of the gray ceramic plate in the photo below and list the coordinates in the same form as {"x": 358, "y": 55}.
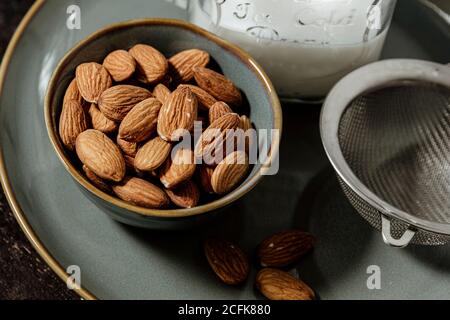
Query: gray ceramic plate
{"x": 121, "y": 262}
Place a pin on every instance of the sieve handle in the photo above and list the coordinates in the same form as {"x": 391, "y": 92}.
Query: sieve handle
{"x": 402, "y": 242}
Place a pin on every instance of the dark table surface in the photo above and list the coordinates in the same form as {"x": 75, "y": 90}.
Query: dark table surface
{"x": 23, "y": 274}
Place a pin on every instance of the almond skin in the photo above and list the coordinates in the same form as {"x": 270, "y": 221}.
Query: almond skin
{"x": 213, "y": 140}
{"x": 204, "y": 177}
{"x": 218, "y": 110}
{"x": 97, "y": 152}
{"x": 179, "y": 169}
{"x": 205, "y": 100}
{"x": 279, "y": 285}
{"x": 128, "y": 148}
{"x": 183, "y": 63}
{"x": 72, "y": 122}
{"x": 120, "y": 65}
{"x": 152, "y": 155}
{"x": 92, "y": 80}
{"x": 96, "y": 180}
{"x": 141, "y": 193}
{"x": 117, "y": 101}
{"x": 230, "y": 172}
{"x": 161, "y": 92}
{"x": 100, "y": 122}
{"x": 186, "y": 195}
{"x": 217, "y": 85}
{"x": 228, "y": 261}
{"x": 152, "y": 65}
{"x": 72, "y": 93}
{"x": 284, "y": 248}
{"x": 140, "y": 123}
{"x": 177, "y": 115}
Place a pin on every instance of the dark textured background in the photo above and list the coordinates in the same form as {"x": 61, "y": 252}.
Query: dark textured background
{"x": 23, "y": 274}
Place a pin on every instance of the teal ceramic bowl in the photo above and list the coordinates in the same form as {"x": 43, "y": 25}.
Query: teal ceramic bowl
{"x": 169, "y": 36}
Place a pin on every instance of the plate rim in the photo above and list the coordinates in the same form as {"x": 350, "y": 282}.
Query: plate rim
{"x": 4, "y": 178}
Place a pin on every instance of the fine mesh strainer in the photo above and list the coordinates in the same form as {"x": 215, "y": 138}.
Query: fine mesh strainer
{"x": 386, "y": 130}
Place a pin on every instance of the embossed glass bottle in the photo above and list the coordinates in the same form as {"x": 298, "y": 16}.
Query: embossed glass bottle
{"x": 305, "y": 46}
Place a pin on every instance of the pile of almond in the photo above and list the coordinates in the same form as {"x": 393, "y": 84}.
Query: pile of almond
{"x": 277, "y": 252}
{"x": 126, "y": 120}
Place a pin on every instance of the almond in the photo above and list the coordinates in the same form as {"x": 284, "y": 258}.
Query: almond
{"x": 186, "y": 195}
{"x": 141, "y": 193}
{"x": 92, "y": 80}
{"x": 72, "y": 122}
{"x": 184, "y": 62}
{"x": 96, "y": 180}
{"x": 100, "y": 122}
{"x": 152, "y": 155}
{"x": 204, "y": 177}
{"x": 97, "y": 152}
{"x": 228, "y": 261}
{"x": 284, "y": 248}
{"x": 230, "y": 172}
{"x": 250, "y": 137}
{"x": 120, "y": 65}
{"x": 217, "y": 85}
{"x": 179, "y": 169}
{"x": 279, "y": 285}
{"x": 161, "y": 92}
{"x": 140, "y": 123}
{"x": 205, "y": 100}
{"x": 72, "y": 93}
{"x": 218, "y": 110}
{"x": 152, "y": 64}
{"x": 213, "y": 140}
{"x": 128, "y": 148}
{"x": 117, "y": 101}
{"x": 129, "y": 162}
{"x": 177, "y": 115}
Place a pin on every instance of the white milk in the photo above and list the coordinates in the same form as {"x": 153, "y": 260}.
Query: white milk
{"x": 305, "y": 46}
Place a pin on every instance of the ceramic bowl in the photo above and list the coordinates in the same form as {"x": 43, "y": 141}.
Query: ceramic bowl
{"x": 169, "y": 36}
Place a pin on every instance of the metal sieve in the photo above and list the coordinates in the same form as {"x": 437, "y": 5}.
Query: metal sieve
{"x": 386, "y": 130}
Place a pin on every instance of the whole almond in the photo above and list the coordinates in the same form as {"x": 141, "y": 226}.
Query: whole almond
{"x": 141, "y": 193}
{"x": 204, "y": 178}
{"x": 178, "y": 169}
{"x": 72, "y": 93}
{"x": 97, "y": 152}
{"x": 96, "y": 180}
{"x": 161, "y": 92}
{"x": 217, "y": 85}
{"x": 72, "y": 122}
{"x": 151, "y": 63}
{"x": 250, "y": 137}
{"x": 279, "y": 285}
{"x": 213, "y": 140}
{"x": 177, "y": 115}
{"x": 152, "y": 155}
{"x": 129, "y": 162}
{"x": 230, "y": 172}
{"x": 128, "y": 148}
{"x": 117, "y": 101}
{"x": 228, "y": 261}
{"x": 120, "y": 65}
{"x": 284, "y": 248}
{"x": 100, "y": 122}
{"x": 218, "y": 110}
{"x": 140, "y": 123}
{"x": 92, "y": 80}
{"x": 184, "y": 62}
{"x": 186, "y": 195}
{"x": 205, "y": 100}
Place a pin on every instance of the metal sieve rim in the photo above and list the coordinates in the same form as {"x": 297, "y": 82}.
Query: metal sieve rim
{"x": 369, "y": 78}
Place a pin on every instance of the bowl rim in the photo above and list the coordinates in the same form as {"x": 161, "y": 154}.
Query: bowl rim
{"x": 170, "y": 214}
